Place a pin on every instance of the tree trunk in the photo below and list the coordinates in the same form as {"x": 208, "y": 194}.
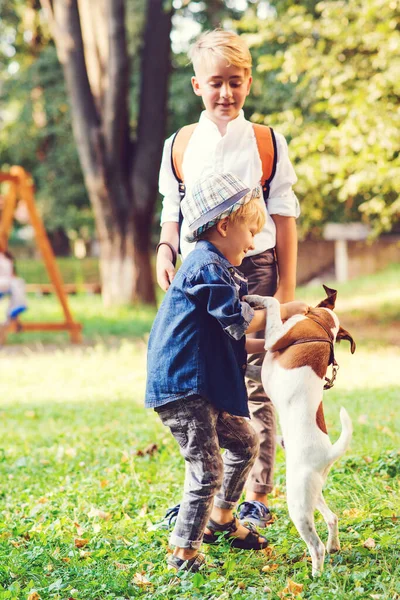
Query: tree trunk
{"x": 156, "y": 66}
{"x": 120, "y": 176}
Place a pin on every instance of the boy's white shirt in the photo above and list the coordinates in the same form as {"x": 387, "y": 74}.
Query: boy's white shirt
{"x": 208, "y": 152}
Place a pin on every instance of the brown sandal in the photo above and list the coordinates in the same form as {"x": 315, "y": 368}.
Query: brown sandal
{"x": 250, "y": 542}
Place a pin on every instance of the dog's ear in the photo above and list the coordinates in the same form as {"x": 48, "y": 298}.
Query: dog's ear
{"x": 330, "y": 299}
{"x": 342, "y": 334}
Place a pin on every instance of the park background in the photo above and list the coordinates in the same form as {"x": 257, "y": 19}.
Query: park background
{"x": 85, "y": 470}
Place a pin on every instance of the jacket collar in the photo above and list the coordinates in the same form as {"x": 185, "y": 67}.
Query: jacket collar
{"x": 206, "y": 245}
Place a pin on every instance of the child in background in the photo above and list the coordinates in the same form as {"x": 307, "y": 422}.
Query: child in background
{"x": 197, "y": 361}
{"x": 11, "y": 285}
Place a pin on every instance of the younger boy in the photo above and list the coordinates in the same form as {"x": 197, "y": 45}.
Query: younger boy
{"x": 222, "y": 141}
{"x": 196, "y": 364}
{"x": 12, "y": 286}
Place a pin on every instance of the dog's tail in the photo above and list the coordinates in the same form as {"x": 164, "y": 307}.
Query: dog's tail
{"x": 341, "y": 445}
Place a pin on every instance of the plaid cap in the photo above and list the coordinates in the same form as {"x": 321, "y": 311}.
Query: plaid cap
{"x": 213, "y": 198}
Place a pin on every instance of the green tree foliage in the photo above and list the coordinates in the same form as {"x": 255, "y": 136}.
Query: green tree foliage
{"x": 36, "y": 124}
{"x": 327, "y": 77}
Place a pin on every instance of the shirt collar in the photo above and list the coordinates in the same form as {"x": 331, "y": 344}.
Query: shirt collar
{"x": 234, "y": 127}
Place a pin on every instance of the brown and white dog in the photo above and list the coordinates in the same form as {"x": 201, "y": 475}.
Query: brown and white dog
{"x": 293, "y": 375}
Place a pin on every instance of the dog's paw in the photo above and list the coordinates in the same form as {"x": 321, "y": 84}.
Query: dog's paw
{"x": 255, "y": 301}
{"x": 332, "y": 548}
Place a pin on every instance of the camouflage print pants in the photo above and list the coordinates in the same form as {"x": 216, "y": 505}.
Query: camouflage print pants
{"x": 201, "y": 430}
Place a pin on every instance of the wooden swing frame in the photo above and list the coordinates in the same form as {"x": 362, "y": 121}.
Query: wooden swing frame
{"x": 22, "y": 188}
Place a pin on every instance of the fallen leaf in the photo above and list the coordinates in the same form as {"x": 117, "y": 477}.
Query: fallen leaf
{"x": 277, "y": 492}
{"x": 34, "y": 596}
{"x": 241, "y": 585}
{"x": 268, "y": 550}
{"x": 352, "y": 512}
{"x": 292, "y": 588}
{"x": 150, "y": 450}
{"x": 369, "y": 543}
{"x": 81, "y": 542}
{"x": 66, "y": 559}
{"x": 267, "y": 590}
{"x": 84, "y": 554}
{"x": 140, "y": 580}
{"x": 42, "y": 500}
{"x": 269, "y": 568}
{"x": 368, "y": 459}
{"x": 79, "y": 530}
{"x": 122, "y": 566}
{"x": 125, "y": 457}
{"x": 95, "y": 512}
{"x": 104, "y": 483}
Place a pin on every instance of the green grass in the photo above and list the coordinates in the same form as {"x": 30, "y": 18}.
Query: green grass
{"x": 73, "y": 270}
{"x": 74, "y": 440}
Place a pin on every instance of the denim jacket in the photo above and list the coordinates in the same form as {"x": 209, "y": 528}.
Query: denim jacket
{"x": 197, "y": 342}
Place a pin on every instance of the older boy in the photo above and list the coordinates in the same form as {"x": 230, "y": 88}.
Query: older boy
{"x": 196, "y": 364}
{"x": 224, "y": 141}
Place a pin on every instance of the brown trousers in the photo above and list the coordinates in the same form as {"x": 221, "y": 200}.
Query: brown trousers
{"x": 262, "y": 275}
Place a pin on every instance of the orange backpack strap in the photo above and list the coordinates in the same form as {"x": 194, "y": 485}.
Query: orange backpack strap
{"x": 266, "y": 144}
{"x": 178, "y": 148}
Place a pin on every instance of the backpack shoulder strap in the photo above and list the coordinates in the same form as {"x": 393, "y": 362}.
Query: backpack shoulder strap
{"x": 266, "y": 144}
{"x": 179, "y": 145}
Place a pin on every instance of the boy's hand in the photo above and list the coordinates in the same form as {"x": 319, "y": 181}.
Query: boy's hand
{"x": 255, "y": 345}
{"x": 165, "y": 271}
{"x": 297, "y": 307}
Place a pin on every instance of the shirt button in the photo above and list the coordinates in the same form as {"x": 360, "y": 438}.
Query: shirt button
{"x": 244, "y": 367}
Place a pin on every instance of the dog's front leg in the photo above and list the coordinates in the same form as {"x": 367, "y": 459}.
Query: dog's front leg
{"x": 273, "y": 329}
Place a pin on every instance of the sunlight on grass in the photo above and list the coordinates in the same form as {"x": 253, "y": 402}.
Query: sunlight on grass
{"x": 87, "y": 471}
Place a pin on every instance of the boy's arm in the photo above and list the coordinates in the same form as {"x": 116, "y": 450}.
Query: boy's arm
{"x": 284, "y": 208}
{"x": 255, "y": 345}
{"x": 286, "y": 254}
{"x": 168, "y": 187}
{"x": 165, "y": 267}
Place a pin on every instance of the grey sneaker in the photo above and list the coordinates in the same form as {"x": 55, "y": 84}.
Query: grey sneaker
{"x": 254, "y": 512}
{"x": 192, "y": 564}
{"x": 169, "y": 519}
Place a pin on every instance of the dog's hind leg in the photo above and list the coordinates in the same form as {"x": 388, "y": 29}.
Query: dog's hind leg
{"x": 301, "y": 510}
{"x": 331, "y": 520}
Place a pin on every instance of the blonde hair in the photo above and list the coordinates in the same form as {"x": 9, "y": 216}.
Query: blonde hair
{"x": 219, "y": 44}
{"x": 252, "y": 212}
